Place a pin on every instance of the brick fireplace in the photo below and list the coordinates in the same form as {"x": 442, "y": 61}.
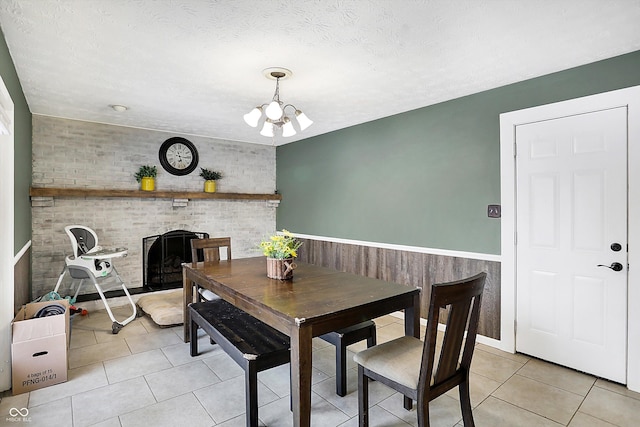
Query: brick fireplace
{"x": 75, "y": 154}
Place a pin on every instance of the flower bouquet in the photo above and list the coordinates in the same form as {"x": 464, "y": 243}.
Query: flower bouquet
{"x": 280, "y": 250}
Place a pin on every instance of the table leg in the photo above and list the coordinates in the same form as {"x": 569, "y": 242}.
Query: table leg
{"x": 301, "y": 375}
{"x": 412, "y": 318}
{"x": 187, "y": 292}
{"x": 412, "y": 328}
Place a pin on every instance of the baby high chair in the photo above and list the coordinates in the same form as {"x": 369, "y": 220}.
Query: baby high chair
{"x": 90, "y": 261}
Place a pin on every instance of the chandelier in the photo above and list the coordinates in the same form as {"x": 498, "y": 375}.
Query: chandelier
{"x": 275, "y": 112}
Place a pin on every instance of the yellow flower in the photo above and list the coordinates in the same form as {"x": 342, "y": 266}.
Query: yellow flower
{"x": 280, "y": 246}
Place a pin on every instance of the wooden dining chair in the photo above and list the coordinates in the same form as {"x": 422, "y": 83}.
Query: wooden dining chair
{"x": 208, "y": 250}
{"x": 415, "y": 368}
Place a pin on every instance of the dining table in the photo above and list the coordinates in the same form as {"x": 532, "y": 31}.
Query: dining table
{"x": 317, "y": 300}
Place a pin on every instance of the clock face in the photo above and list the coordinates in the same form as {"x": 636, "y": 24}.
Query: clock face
{"x": 178, "y": 156}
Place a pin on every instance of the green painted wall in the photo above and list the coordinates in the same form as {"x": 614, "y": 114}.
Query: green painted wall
{"x": 425, "y": 177}
{"x": 22, "y": 148}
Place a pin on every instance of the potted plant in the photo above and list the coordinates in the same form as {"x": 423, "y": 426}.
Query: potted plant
{"x": 210, "y": 178}
{"x": 280, "y": 250}
{"x": 146, "y": 177}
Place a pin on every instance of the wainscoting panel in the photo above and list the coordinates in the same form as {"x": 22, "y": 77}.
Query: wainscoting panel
{"x": 411, "y": 269}
{"x": 21, "y": 276}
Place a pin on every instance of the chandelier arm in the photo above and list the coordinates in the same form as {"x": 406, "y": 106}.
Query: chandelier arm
{"x": 289, "y": 105}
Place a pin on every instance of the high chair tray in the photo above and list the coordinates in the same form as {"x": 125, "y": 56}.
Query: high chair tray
{"x": 106, "y": 253}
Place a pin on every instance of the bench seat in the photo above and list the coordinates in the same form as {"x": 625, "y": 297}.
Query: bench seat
{"x": 252, "y": 344}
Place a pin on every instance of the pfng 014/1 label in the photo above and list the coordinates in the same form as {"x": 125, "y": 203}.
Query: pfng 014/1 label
{"x": 39, "y": 377}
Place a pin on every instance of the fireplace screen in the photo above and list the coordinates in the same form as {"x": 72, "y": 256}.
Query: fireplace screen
{"x": 163, "y": 256}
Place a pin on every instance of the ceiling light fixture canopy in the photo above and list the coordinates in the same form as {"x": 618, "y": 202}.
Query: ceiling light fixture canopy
{"x": 275, "y": 112}
{"x": 119, "y": 108}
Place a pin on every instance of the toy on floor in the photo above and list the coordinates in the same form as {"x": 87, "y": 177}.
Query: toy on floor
{"x": 77, "y": 310}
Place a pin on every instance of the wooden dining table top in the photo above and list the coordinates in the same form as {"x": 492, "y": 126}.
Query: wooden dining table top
{"x": 314, "y": 294}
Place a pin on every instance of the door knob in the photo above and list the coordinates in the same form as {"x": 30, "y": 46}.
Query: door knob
{"x": 615, "y": 266}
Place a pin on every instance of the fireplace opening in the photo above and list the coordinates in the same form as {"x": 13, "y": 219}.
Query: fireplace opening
{"x": 163, "y": 256}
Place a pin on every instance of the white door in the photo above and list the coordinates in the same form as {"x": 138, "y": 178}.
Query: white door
{"x": 571, "y": 215}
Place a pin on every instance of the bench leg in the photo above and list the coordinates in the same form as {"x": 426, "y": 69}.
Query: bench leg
{"x": 371, "y": 341}
{"x": 251, "y": 393}
{"x": 341, "y": 361}
{"x": 194, "y": 339}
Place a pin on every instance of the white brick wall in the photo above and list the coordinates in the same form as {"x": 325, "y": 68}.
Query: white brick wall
{"x": 75, "y": 154}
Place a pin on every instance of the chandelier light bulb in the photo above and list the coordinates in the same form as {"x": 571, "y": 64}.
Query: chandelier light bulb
{"x": 267, "y": 129}
{"x": 303, "y": 120}
{"x": 273, "y": 111}
{"x": 252, "y": 117}
{"x": 287, "y": 129}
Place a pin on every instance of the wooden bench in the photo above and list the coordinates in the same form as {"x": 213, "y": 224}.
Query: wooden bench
{"x": 343, "y": 338}
{"x": 254, "y": 345}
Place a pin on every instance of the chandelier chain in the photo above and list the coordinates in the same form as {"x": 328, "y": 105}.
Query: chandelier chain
{"x": 276, "y": 95}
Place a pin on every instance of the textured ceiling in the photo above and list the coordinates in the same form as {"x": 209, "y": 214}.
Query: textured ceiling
{"x": 195, "y": 66}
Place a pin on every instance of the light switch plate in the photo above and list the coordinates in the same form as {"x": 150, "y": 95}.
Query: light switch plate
{"x": 493, "y": 211}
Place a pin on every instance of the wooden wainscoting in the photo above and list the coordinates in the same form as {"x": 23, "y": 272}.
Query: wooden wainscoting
{"x": 21, "y": 277}
{"x": 413, "y": 269}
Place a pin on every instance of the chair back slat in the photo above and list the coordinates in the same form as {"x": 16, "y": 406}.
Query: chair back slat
{"x": 453, "y": 339}
{"x": 211, "y": 254}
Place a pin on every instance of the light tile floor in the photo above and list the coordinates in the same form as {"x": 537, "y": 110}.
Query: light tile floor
{"x": 144, "y": 376}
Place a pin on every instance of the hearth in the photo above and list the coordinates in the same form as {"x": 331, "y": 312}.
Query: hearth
{"x": 163, "y": 256}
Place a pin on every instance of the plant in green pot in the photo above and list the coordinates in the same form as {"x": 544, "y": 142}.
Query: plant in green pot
{"x": 210, "y": 178}
{"x": 146, "y": 176}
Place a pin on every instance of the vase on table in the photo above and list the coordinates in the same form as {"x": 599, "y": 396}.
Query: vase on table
{"x": 281, "y": 269}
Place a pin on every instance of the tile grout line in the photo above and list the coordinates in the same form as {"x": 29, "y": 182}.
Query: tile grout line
{"x": 585, "y": 398}
{"x": 525, "y": 409}
{"x": 501, "y": 384}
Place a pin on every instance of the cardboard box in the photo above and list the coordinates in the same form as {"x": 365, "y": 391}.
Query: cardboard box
{"x": 39, "y": 348}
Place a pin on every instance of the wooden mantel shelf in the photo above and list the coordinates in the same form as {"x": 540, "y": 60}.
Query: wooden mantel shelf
{"x": 89, "y": 192}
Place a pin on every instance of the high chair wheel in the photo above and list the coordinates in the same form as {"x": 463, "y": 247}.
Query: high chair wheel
{"x": 115, "y": 327}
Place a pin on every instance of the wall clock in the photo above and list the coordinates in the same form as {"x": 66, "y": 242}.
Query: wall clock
{"x": 178, "y": 156}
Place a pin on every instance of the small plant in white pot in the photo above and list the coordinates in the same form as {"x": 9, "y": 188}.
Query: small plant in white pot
{"x": 210, "y": 178}
{"x": 146, "y": 177}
